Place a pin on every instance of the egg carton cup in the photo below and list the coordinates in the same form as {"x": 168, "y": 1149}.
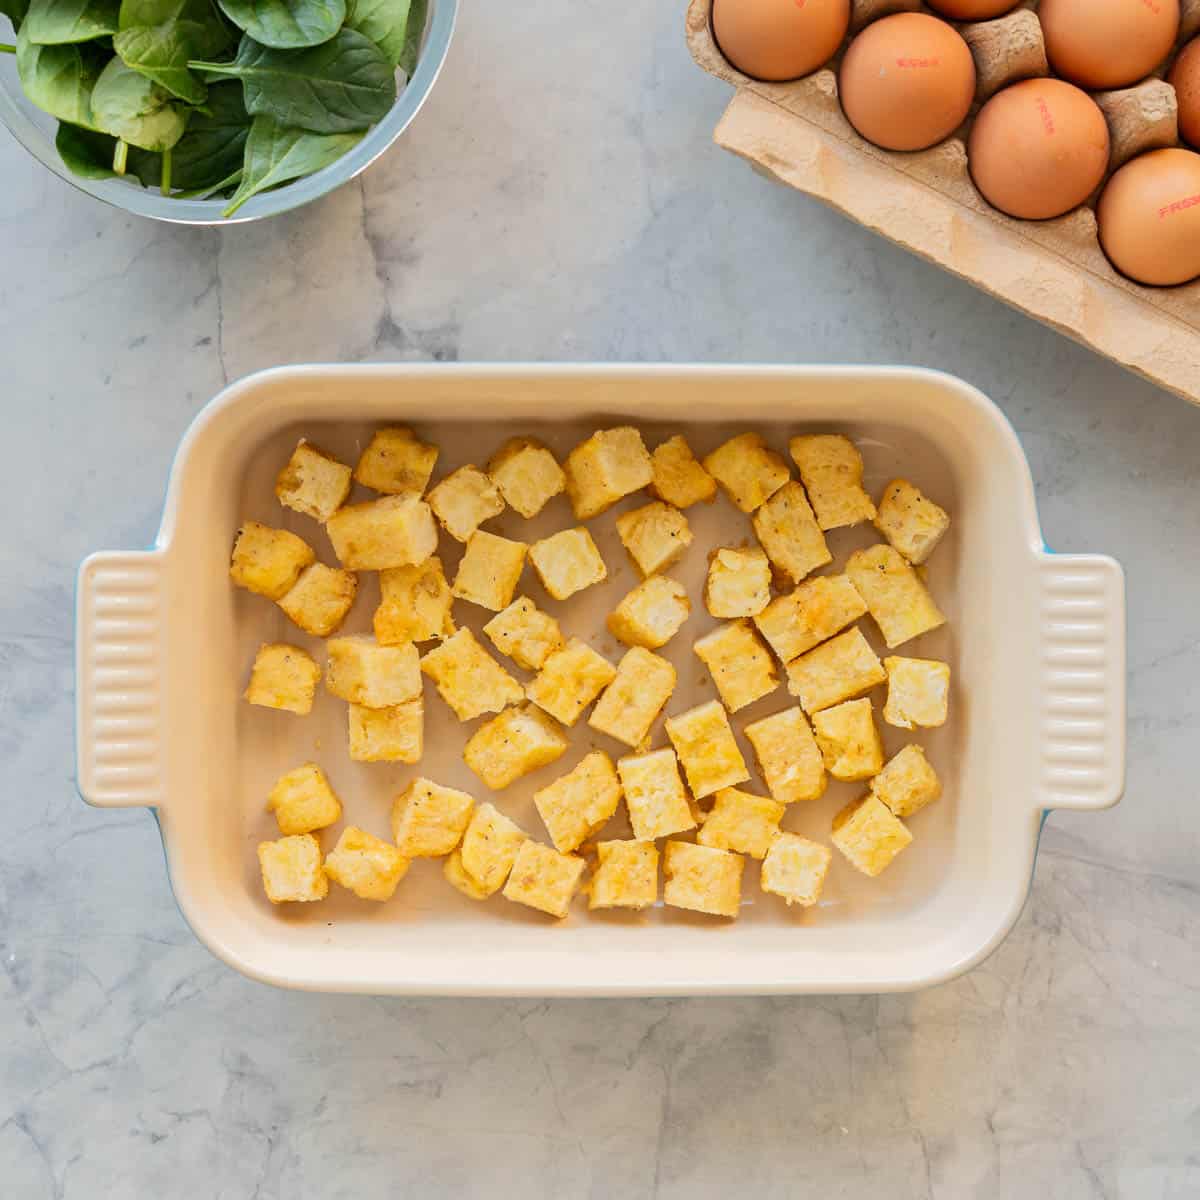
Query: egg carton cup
{"x": 796, "y": 133}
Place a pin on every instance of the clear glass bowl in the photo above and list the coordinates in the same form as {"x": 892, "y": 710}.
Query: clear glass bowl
{"x": 35, "y": 131}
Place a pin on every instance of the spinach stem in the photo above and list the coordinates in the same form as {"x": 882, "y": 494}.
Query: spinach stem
{"x": 6, "y": 48}
{"x": 120, "y": 156}
{"x": 165, "y": 186}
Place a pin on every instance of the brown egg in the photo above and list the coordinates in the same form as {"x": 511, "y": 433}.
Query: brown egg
{"x": 1185, "y": 79}
{"x": 972, "y": 10}
{"x": 1108, "y": 43}
{"x": 779, "y": 39}
{"x": 907, "y": 82}
{"x": 1038, "y": 149}
{"x": 1149, "y": 217}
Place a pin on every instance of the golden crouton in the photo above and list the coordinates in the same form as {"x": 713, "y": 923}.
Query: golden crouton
{"x": 464, "y": 500}
{"x": 364, "y": 672}
{"x": 313, "y": 483}
{"x": 678, "y": 478}
{"x": 527, "y": 474}
{"x": 429, "y": 820}
{"x": 468, "y": 678}
{"x": 654, "y": 794}
{"x": 703, "y": 879}
{"x": 395, "y": 734}
{"x": 652, "y": 614}
{"x": 738, "y": 584}
{"x": 795, "y": 869}
{"x": 366, "y": 865}
{"x": 291, "y": 869}
{"x": 739, "y": 663}
{"x": 837, "y": 670}
{"x": 283, "y": 677}
{"x": 579, "y": 804}
{"x": 907, "y": 783}
{"x": 609, "y": 465}
{"x": 788, "y": 532}
{"x": 489, "y": 570}
{"x": 809, "y": 615}
{"x": 918, "y": 692}
{"x": 489, "y": 847}
{"x": 626, "y": 875}
{"x": 567, "y": 562}
{"x": 303, "y": 801}
{"x": 748, "y": 471}
{"x": 570, "y": 680}
{"x": 910, "y": 520}
{"x": 869, "y": 835}
{"x": 789, "y": 758}
{"x": 268, "y": 561}
{"x": 415, "y": 605}
{"x": 832, "y": 470}
{"x": 457, "y": 876}
{"x": 655, "y": 536}
{"x": 320, "y": 599}
{"x": 706, "y": 747}
{"x": 526, "y": 634}
{"x": 392, "y": 531}
{"x": 895, "y": 597}
{"x": 395, "y": 462}
{"x": 629, "y": 705}
{"x": 516, "y": 742}
{"x": 544, "y": 879}
{"x": 741, "y": 821}
{"x": 849, "y": 740}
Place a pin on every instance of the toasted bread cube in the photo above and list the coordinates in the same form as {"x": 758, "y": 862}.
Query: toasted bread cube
{"x": 415, "y": 605}
{"x": 748, "y": 471}
{"x": 626, "y": 875}
{"x": 654, "y": 794}
{"x": 611, "y": 464}
{"x": 395, "y": 462}
{"x": 291, "y": 869}
{"x": 703, "y": 879}
{"x": 740, "y": 663}
{"x": 571, "y": 679}
{"x": 464, "y": 500}
{"x": 706, "y": 747}
{"x": 918, "y": 692}
{"x": 511, "y": 745}
{"x": 313, "y": 483}
{"x": 849, "y": 740}
{"x": 468, "y": 678}
{"x": 567, "y": 562}
{"x": 489, "y": 847}
{"x": 392, "y": 531}
{"x": 303, "y": 801}
{"x": 395, "y": 734}
{"x": 489, "y": 570}
{"x": 679, "y": 479}
{"x": 320, "y": 599}
{"x": 526, "y": 634}
{"x": 896, "y": 598}
{"x": 542, "y": 878}
{"x": 628, "y": 706}
{"x": 795, "y": 869}
{"x": 268, "y": 561}
{"x": 580, "y": 803}
{"x": 652, "y": 614}
{"x": 788, "y": 532}
{"x": 366, "y": 865}
{"x": 910, "y": 520}
{"x": 869, "y": 834}
{"x": 429, "y": 820}
{"x": 655, "y": 536}
{"x": 738, "y": 583}
{"x": 809, "y": 615}
{"x": 837, "y": 670}
{"x": 457, "y": 876}
{"x": 789, "y": 758}
{"x": 527, "y": 474}
{"x": 832, "y": 470}
{"x": 364, "y": 672}
{"x": 907, "y": 783}
{"x": 283, "y": 677}
{"x": 741, "y": 821}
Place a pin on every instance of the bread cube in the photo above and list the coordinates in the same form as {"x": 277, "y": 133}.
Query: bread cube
{"x": 837, "y": 670}
{"x": 291, "y": 869}
{"x": 869, "y": 834}
{"x": 748, "y": 471}
{"x": 655, "y": 536}
{"x": 283, "y": 677}
{"x": 362, "y": 671}
{"x": 910, "y": 520}
{"x": 789, "y": 533}
{"x": 395, "y": 734}
{"x": 366, "y": 865}
{"x": 464, "y": 500}
{"x": 609, "y": 465}
{"x": 395, "y": 462}
{"x": 268, "y": 561}
{"x": 789, "y": 758}
{"x": 542, "y": 878}
{"x": 526, "y": 634}
{"x": 489, "y": 847}
{"x": 907, "y": 783}
{"x": 468, "y": 678}
{"x": 652, "y": 614}
{"x": 392, "y": 531}
{"x": 580, "y": 803}
{"x": 518, "y": 741}
{"x": 738, "y": 583}
{"x": 567, "y": 562}
{"x": 570, "y": 680}
{"x": 795, "y": 869}
{"x": 415, "y": 605}
{"x": 895, "y": 597}
{"x": 811, "y": 614}
{"x": 741, "y": 821}
{"x": 320, "y": 599}
{"x": 457, "y": 876}
{"x": 849, "y": 740}
{"x": 626, "y": 875}
{"x": 703, "y": 879}
{"x": 706, "y": 747}
{"x": 918, "y": 692}
{"x": 429, "y": 820}
{"x": 628, "y": 706}
{"x": 313, "y": 483}
{"x": 654, "y": 794}
{"x": 489, "y": 570}
{"x": 832, "y": 470}
{"x": 303, "y": 801}
{"x": 527, "y": 474}
{"x": 739, "y": 662}
{"x": 679, "y": 479}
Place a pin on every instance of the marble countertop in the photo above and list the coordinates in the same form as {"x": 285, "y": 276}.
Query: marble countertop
{"x": 560, "y": 198}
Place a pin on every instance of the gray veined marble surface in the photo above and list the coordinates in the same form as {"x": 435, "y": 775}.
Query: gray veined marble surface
{"x": 560, "y": 199}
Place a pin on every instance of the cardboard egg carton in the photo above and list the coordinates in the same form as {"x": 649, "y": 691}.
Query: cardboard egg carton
{"x": 1053, "y": 270}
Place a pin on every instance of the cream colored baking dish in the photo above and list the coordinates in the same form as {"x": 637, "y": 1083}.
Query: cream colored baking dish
{"x": 164, "y": 643}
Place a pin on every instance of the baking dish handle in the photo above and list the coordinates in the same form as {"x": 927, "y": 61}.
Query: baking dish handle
{"x": 120, "y": 684}
{"x": 1081, "y": 664}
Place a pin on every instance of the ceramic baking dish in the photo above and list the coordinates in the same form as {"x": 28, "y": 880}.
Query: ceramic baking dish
{"x": 164, "y": 644}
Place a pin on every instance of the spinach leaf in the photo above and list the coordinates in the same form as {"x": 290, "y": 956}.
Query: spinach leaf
{"x": 58, "y": 79}
{"x": 414, "y": 34}
{"x": 15, "y": 11}
{"x": 385, "y": 22}
{"x": 210, "y": 150}
{"x": 61, "y": 22}
{"x": 161, "y": 53}
{"x": 86, "y": 153}
{"x": 342, "y": 85}
{"x": 205, "y": 28}
{"x": 287, "y": 24}
{"x": 225, "y": 185}
{"x": 135, "y": 109}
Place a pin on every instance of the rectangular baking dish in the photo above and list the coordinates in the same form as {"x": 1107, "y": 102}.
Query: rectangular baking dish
{"x": 164, "y": 645}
